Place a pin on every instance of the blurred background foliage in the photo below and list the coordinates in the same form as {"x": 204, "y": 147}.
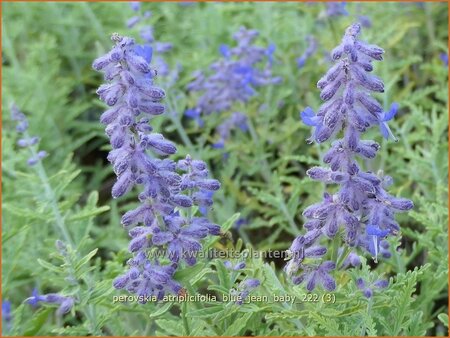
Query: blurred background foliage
{"x": 47, "y": 53}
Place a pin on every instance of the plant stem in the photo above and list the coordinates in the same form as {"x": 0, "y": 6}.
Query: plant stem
{"x": 343, "y": 256}
{"x": 61, "y": 227}
{"x": 185, "y": 321}
{"x": 369, "y": 310}
{"x": 59, "y": 220}
{"x": 335, "y": 248}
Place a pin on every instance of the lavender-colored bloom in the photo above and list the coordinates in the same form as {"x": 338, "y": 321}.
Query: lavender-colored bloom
{"x": 387, "y": 116}
{"x": 6, "y": 314}
{"x": 244, "y": 289}
{"x": 26, "y": 141}
{"x": 310, "y": 50}
{"x": 385, "y": 249}
{"x": 314, "y": 275}
{"x": 146, "y": 33}
{"x": 65, "y": 303}
{"x": 365, "y": 21}
{"x": 139, "y": 158}
{"x": 361, "y": 211}
{"x": 236, "y": 267}
{"x": 135, "y": 5}
{"x": 352, "y": 260}
{"x": 195, "y": 114}
{"x": 444, "y": 58}
{"x": 336, "y": 9}
{"x": 236, "y": 76}
{"x": 36, "y": 158}
{"x": 369, "y": 288}
{"x": 17, "y": 115}
{"x": 240, "y": 222}
{"x": 131, "y": 22}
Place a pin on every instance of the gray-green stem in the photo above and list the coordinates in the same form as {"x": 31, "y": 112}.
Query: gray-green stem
{"x": 60, "y": 227}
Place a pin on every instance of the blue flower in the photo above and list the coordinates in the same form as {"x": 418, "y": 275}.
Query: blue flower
{"x": 365, "y": 21}
{"x": 237, "y": 267}
{"x": 195, "y": 114}
{"x": 26, "y": 141}
{"x": 240, "y": 222}
{"x": 225, "y": 51}
{"x": 387, "y": 116}
{"x": 135, "y": 5}
{"x": 235, "y": 77}
{"x": 444, "y": 58}
{"x": 6, "y": 311}
{"x": 310, "y": 50}
{"x": 65, "y": 303}
{"x": 270, "y": 51}
{"x": 205, "y": 195}
{"x": 145, "y": 51}
{"x": 309, "y": 117}
{"x": 244, "y": 289}
{"x": 318, "y": 275}
{"x": 35, "y": 298}
{"x": 336, "y": 9}
{"x": 374, "y": 236}
{"x": 369, "y": 288}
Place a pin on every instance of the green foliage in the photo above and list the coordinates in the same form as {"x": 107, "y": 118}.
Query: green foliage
{"x": 48, "y": 49}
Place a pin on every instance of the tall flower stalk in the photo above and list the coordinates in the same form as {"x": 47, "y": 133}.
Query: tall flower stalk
{"x": 361, "y": 214}
{"x": 66, "y": 303}
{"x": 165, "y": 221}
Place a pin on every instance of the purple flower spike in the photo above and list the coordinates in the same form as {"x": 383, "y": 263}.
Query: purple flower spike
{"x": 361, "y": 212}
{"x": 140, "y": 159}
{"x": 384, "y": 128}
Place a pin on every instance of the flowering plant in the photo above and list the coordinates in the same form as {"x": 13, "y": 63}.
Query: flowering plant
{"x": 361, "y": 212}
{"x": 164, "y": 220}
